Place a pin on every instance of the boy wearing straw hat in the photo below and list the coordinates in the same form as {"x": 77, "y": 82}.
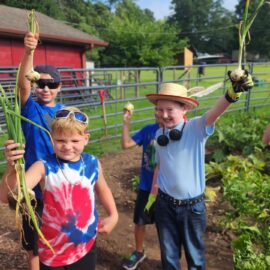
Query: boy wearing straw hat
{"x": 180, "y": 207}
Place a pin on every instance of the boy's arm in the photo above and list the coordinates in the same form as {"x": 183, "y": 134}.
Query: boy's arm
{"x": 154, "y": 189}
{"x": 213, "y": 114}
{"x": 30, "y": 44}
{"x": 266, "y": 135}
{"x": 232, "y": 95}
{"x": 33, "y": 175}
{"x": 106, "y": 198}
{"x": 7, "y": 183}
{"x": 127, "y": 141}
{"x": 153, "y": 194}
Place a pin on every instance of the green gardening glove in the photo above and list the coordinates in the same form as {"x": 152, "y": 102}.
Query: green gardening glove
{"x": 242, "y": 84}
{"x": 149, "y": 209}
{"x": 151, "y": 200}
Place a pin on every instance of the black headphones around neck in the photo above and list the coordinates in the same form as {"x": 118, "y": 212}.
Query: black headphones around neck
{"x": 174, "y": 134}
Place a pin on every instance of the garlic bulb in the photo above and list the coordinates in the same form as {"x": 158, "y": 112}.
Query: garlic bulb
{"x": 32, "y": 76}
{"x": 237, "y": 74}
{"x": 129, "y": 107}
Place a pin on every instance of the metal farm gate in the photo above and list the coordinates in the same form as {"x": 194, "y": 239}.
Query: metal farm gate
{"x": 102, "y": 92}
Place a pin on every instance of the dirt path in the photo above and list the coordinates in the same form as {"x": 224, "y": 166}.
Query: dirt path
{"x": 119, "y": 168}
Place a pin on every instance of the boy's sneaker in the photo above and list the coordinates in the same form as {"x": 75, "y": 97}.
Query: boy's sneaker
{"x": 133, "y": 260}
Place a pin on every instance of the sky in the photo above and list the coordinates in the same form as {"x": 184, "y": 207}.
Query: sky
{"x": 161, "y": 8}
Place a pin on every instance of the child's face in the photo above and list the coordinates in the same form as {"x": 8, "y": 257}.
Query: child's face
{"x": 69, "y": 145}
{"x": 170, "y": 113}
{"x": 47, "y": 95}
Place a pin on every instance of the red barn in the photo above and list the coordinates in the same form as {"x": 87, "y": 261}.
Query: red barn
{"x": 61, "y": 45}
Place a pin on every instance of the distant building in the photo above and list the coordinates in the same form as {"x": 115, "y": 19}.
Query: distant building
{"x": 212, "y": 59}
{"x": 61, "y": 45}
{"x": 249, "y": 57}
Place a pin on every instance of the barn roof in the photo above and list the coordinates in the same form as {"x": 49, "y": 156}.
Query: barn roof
{"x": 13, "y": 21}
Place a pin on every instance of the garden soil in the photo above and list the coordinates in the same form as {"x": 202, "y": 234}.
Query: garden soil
{"x": 119, "y": 168}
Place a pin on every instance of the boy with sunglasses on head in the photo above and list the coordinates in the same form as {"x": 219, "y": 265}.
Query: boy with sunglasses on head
{"x": 41, "y": 111}
{"x": 180, "y": 207}
{"x": 71, "y": 179}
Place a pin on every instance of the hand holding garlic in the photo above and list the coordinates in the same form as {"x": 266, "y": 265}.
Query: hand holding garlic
{"x": 241, "y": 81}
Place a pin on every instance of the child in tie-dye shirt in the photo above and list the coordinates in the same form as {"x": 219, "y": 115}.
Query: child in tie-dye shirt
{"x": 70, "y": 179}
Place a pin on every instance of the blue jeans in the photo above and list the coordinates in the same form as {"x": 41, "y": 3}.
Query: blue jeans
{"x": 179, "y": 226}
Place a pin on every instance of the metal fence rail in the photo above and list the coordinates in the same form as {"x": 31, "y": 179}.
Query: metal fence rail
{"x": 82, "y": 88}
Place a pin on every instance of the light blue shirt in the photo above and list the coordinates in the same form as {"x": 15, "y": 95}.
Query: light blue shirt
{"x": 182, "y": 173}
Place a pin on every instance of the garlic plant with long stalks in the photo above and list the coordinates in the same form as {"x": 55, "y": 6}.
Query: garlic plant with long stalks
{"x": 243, "y": 28}
{"x": 33, "y": 27}
{"x": 12, "y": 108}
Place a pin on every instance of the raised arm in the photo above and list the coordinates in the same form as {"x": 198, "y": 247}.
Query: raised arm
{"x": 219, "y": 108}
{"x": 30, "y": 44}
{"x": 126, "y": 141}
{"x": 232, "y": 95}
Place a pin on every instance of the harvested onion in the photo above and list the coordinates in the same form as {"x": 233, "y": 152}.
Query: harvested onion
{"x": 129, "y": 107}
{"x": 237, "y": 75}
{"x": 32, "y": 76}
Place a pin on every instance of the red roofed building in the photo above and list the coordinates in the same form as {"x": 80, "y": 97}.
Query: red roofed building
{"x": 61, "y": 45}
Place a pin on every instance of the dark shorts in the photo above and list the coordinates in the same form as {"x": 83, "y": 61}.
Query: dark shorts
{"x": 30, "y": 235}
{"x": 88, "y": 262}
{"x": 141, "y": 201}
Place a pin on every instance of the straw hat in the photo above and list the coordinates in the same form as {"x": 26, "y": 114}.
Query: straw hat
{"x": 173, "y": 92}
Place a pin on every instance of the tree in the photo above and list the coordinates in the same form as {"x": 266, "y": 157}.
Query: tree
{"x": 48, "y": 7}
{"x": 136, "y": 39}
{"x": 206, "y": 24}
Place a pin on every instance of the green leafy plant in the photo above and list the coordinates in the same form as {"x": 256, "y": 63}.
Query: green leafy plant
{"x": 246, "y": 188}
{"x": 236, "y": 135}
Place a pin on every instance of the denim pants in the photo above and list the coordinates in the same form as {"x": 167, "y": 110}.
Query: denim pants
{"x": 179, "y": 226}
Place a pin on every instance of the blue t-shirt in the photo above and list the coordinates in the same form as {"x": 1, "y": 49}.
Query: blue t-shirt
{"x": 38, "y": 143}
{"x": 181, "y": 173}
{"x": 146, "y": 138}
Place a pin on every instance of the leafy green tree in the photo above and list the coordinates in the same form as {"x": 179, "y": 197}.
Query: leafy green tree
{"x": 206, "y": 24}
{"x": 136, "y": 39}
{"x": 51, "y": 8}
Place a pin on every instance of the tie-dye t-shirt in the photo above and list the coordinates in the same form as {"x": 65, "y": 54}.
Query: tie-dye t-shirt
{"x": 69, "y": 219}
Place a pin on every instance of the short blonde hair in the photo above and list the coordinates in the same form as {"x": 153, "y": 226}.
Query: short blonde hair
{"x": 62, "y": 125}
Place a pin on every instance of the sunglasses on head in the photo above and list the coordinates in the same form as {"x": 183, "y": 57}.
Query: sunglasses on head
{"x": 78, "y": 116}
{"x": 47, "y": 82}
